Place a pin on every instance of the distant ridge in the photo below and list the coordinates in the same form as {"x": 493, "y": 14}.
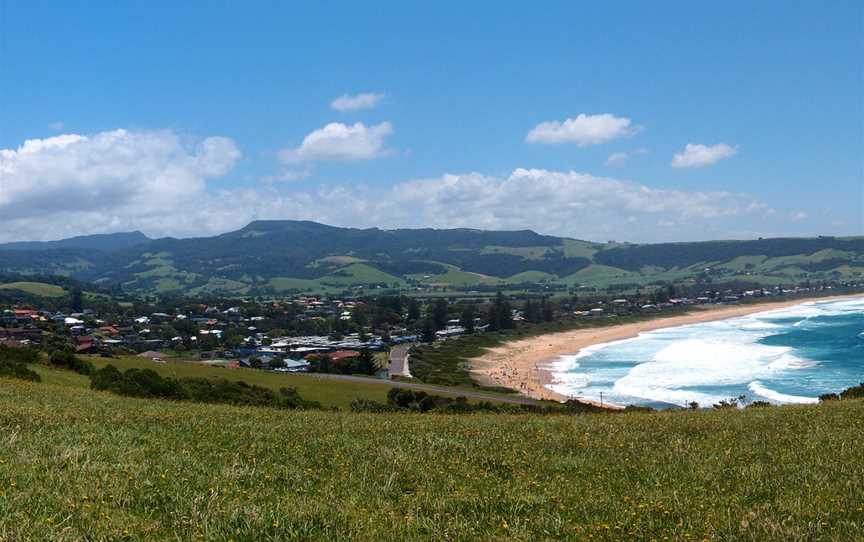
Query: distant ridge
{"x": 269, "y": 257}
{"x": 102, "y": 241}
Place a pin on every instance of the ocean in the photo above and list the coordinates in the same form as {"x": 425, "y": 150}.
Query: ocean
{"x": 789, "y": 355}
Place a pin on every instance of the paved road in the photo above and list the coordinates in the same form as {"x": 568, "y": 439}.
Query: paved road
{"x": 431, "y": 388}
{"x": 399, "y": 361}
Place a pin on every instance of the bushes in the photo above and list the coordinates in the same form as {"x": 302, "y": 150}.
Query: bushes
{"x": 19, "y": 355}
{"x": 855, "y": 392}
{"x": 13, "y": 363}
{"x": 67, "y": 360}
{"x": 364, "y": 363}
{"x": 15, "y": 369}
{"x": 148, "y": 383}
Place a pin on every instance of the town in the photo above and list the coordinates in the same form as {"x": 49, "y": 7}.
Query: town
{"x": 328, "y": 334}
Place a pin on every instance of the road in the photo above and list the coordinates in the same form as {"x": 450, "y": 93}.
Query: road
{"x": 430, "y": 388}
{"x": 399, "y": 361}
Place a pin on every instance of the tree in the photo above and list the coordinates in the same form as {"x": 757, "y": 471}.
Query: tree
{"x": 532, "y": 312}
{"x": 77, "y": 300}
{"x": 439, "y": 314}
{"x": 428, "y": 330}
{"x": 466, "y": 319}
{"x": 365, "y": 363}
{"x": 413, "y": 310}
{"x": 500, "y": 315}
{"x": 547, "y": 310}
{"x": 505, "y": 313}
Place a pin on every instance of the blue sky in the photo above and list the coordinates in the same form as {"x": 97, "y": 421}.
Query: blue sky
{"x": 772, "y": 90}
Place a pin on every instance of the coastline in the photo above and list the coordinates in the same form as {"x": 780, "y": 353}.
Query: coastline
{"x": 522, "y": 365}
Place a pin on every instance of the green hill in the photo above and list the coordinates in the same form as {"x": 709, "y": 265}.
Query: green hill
{"x": 39, "y": 289}
{"x": 77, "y": 464}
{"x": 277, "y": 257}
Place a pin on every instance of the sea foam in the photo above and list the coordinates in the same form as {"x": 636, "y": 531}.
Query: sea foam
{"x": 711, "y": 361}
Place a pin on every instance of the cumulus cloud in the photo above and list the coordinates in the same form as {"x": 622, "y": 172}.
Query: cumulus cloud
{"x": 583, "y": 130}
{"x": 338, "y": 141}
{"x": 72, "y": 183}
{"x": 158, "y": 182}
{"x": 698, "y": 155}
{"x": 356, "y": 102}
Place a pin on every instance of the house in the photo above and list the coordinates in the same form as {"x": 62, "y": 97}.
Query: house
{"x": 339, "y": 355}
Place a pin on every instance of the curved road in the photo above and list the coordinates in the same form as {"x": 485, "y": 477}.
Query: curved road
{"x": 399, "y": 361}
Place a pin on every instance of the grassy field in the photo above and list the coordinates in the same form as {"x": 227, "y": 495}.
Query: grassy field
{"x": 82, "y": 465}
{"x": 330, "y": 393}
{"x": 40, "y": 289}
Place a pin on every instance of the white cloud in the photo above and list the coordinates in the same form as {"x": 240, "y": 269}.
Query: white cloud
{"x": 71, "y": 184}
{"x": 56, "y": 126}
{"x": 583, "y": 130}
{"x": 697, "y": 155}
{"x": 157, "y": 182}
{"x": 356, "y": 102}
{"x": 798, "y": 216}
{"x": 617, "y": 159}
{"x": 338, "y": 141}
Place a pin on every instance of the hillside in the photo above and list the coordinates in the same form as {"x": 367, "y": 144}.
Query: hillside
{"x": 273, "y": 257}
{"x": 117, "y": 468}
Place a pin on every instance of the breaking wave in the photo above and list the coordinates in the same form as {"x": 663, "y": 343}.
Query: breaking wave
{"x": 769, "y": 356}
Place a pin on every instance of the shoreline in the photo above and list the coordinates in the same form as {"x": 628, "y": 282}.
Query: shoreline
{"x": 523, "y": 365}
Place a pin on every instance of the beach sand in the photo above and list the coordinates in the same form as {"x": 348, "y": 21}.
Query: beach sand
{"x": 520, "y": 364}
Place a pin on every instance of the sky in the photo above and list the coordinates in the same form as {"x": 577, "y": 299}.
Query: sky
{"x": 627, "y": 121}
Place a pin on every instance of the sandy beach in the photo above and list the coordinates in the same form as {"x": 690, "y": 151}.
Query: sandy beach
{"x": 519, "y": 365}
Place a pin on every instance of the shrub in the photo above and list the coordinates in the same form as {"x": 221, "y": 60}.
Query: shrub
{"x": 829, "y": 397}
{"x": 368, "y": 405}
{"x": 18, "y": 370}
{"x": 855, "y": 392}
{"x": 67, "y": 360}
{"x": 104, "y": 378}
{"x": 148, "y": 383}
{"x": 23, "y": 355}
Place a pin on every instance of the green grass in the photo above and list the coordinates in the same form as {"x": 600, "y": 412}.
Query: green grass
{"x": 530, "y": 276}
{"x": 453, "y": 276}
{"x": 82, "y": 465}
{"x": 40, "y": 289}
{"x": 328, "y": 392}
{"x": 529, "y": 253}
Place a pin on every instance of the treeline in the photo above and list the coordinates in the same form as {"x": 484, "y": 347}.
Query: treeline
{"x": 147, "y": 383}
{"x": 854, "y": 392}
{"x": 364, "y": 364}
{"x": 407, "y": 400}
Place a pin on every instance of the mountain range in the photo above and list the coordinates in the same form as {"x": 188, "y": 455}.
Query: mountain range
{"x": 275, "y": 257}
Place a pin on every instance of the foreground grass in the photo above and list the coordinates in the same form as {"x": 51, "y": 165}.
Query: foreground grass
{"x": 77, "y": 464}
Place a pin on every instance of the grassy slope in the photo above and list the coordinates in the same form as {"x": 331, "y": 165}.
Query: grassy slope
{"x": 330, "y": 393}
{"x": 35, "y": 288}
{"x": 78, "y": 464}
